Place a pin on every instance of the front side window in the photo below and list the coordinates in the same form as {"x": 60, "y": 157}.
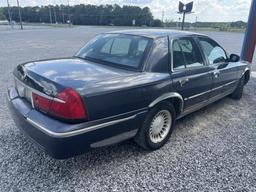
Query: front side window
{"x": 116, "y": 49}
{"x": 212, "y": 50}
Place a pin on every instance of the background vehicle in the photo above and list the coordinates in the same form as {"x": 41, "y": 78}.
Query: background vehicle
{"x": 121, "y": 85}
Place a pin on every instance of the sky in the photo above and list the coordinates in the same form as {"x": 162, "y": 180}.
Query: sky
{"x": 204, "y": 10}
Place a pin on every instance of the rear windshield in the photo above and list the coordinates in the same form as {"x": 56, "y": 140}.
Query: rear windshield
{"x": 116, "y": 49}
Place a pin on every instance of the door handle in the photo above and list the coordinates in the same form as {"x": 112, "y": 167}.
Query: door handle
{"x": 216, "y": 74}
{"x": 183, "y": 81}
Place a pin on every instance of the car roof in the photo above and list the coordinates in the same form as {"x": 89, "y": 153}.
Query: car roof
{"x": 155, "y": 33}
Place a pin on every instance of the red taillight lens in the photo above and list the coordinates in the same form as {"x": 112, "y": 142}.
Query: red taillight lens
{"x": 67, "y": 105}
{"x": 72, "y": 106}
{"x": 41, "y": 102}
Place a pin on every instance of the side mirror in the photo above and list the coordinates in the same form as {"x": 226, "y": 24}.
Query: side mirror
{"x": 234, "y": 58}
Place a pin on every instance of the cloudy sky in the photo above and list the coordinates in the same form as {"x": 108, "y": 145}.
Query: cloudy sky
{"x": 205, "y": 10}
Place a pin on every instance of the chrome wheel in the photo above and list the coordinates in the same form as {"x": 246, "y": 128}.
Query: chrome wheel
{"x": 160, "y": 126}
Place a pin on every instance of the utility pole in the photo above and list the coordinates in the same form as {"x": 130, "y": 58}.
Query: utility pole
{"x": 183, "y": 9}
{"x": 9, "y": 14}
{"x": 54, "y": 10}
{"x": 69, "y": 16}
{"x": 62, "y": 14}
{"x": 183, "y": 21}
{"x": 50, "y": 12}
{"x": 196, "y": 23}
{"x": 162, "y": 18}
{"x": 21, "y": 25}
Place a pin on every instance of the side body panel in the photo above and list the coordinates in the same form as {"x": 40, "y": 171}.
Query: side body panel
{"x": 225, "y": 77}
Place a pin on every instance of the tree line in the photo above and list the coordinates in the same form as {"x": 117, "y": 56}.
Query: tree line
{"x": 104, "y": 15}
{"x": 85, "y": 15}
{"x": 222, "y": 26}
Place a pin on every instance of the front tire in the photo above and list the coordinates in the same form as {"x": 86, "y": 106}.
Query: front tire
{"x": 238, "y": 93}
{"x": 157, "y": 127}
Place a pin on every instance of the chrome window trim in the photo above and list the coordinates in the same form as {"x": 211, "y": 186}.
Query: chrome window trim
{"x": 171, "y": 53}
{"x": 79, "y": 131}
{"x": 186, "y": 68}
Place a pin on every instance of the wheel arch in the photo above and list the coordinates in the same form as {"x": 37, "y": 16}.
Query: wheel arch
{"x": 246, "y": 76}
{"x": 173, "y": 97}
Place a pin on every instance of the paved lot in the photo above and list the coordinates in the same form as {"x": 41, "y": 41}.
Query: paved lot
{"x": 213, "y": 149}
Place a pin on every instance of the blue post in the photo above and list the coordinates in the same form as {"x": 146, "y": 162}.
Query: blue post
{"x": 250, "y": 35}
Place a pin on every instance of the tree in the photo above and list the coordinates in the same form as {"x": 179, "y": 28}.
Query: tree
{"x": 238, "y": 24}
{"x": 157, "y": 23}
{"x": 86, "y": 14}
{"x": 2, "y": 16}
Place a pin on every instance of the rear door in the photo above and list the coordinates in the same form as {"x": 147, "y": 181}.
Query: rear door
{"x": 224, "y": 73}
{"x": 191, "y": 76}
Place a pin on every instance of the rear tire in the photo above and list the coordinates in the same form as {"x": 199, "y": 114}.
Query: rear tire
{"x": 238, "y": 93}
{"x": 157, "y": 127}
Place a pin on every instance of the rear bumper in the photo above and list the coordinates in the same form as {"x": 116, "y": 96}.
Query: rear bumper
{"x": 62, "y": 140}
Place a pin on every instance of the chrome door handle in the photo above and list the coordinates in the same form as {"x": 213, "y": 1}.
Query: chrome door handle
{"x": 216, "y": 74}
{"x": 183, "y": 81}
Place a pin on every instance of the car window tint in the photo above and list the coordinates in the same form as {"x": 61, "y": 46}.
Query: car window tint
{"x": 212, "y": 50}
{"x": 120, "y": 46}
{"x": 142, "y": 45}
{"x": 191, "y": 52}
{"x": 117, "y": 49}
{"x": 106, "y": 48}
{"x": 178, "y": 58}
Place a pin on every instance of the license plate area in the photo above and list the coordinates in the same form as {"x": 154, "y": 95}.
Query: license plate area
{"x": 24, "y": 91}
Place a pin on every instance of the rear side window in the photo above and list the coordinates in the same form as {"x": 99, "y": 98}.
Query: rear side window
{"x": 178, "y": 57}
{"x": 212, "y": 50}
{"x": 186, "y": 54}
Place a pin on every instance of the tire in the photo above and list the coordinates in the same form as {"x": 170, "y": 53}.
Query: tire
{"x": 155, "y": 119}
{"x": 238, "y": 93}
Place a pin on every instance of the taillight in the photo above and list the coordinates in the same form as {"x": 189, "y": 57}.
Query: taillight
{"x": 41, "y": 102}
{"x": 71, "y": 108}
{"x": 67, "y": 105}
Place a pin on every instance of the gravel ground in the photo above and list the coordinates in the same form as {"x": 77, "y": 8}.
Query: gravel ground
{"x": 213, "y": 149}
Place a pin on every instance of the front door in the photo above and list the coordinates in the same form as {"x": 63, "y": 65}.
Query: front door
{"x": 224, "y": 74}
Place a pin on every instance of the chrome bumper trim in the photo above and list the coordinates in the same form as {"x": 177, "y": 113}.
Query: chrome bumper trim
{"x": 79, "y": 131}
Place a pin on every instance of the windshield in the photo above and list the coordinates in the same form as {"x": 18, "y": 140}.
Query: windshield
{"x": 118, "y": 49}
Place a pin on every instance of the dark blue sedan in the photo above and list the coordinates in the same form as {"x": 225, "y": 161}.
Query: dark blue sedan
{"x": 122, "y": 85}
